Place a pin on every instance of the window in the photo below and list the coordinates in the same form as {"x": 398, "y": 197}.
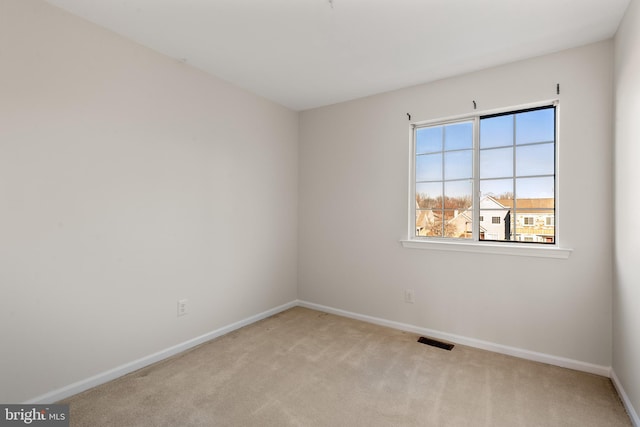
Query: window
{"x": 444, "y": 173}
{"x": 500, "y": 165}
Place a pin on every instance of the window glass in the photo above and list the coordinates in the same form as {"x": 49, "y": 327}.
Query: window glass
{"x": 496, "y": 131}
{"x": 496, "y": 163}
{"x": 429, "y": 167}
{"x": 535, "y": 126}
{"x": 429, "y": 140}
{"x": 459, "y": 136}
{"x": 458, "y": 165}
{"x": 535, "y": 159}
{"x": 444, "y": 181}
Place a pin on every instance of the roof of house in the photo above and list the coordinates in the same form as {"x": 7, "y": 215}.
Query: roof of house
{"x": 424, "y": 218}
{"x": 523, "y": 204}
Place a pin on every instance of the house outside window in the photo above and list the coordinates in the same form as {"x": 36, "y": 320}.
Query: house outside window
{"x": 499, "y": 166}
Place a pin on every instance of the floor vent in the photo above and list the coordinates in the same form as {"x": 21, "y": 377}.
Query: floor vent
{"x": 435, "y": 343}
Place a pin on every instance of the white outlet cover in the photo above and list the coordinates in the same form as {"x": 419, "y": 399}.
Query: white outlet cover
{"x": 409, "y": 296}
{"x": 182, "y": 307}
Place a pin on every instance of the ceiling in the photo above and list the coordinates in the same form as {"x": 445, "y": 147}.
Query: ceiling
{"x": 309, "y": 53}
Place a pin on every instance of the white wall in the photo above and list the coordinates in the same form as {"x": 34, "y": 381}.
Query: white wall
{"x": 626, "y": 295}
{"x": 354, "y": 160}
{"x": 127, "y": 181}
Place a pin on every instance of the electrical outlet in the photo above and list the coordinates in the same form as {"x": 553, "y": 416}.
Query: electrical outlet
{"x": 409, "y": 296}
{"x": 182, "y": 307}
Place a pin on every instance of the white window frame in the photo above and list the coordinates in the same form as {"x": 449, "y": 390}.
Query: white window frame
{"x": 480, "y": 246}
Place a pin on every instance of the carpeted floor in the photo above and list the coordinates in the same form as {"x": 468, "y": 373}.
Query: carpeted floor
{"x": 307, "y": 368}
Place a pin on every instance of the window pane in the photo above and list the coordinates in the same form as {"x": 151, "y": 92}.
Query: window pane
{"x": 535, "y": 225}
{"x": 496, "y": 131}
{"x": 496, "y": 224}
{"x": 535, "y": 159}
{"x": 458, "y": 164}
{"x": 496, "y": 188}
{"x": 428, "y": 223}
{"x": 496, "y": 163}
{"x": 458, "y": 195}
{"x": 428, "y": 140}
{"x": 458, "y": 224}
{"x": 429, "y": 167}
{"x": 535, "y": 188}
{"x": 429, "y": 195}
{"x": 458, "y": 136}
{"x": 535, "y": 126}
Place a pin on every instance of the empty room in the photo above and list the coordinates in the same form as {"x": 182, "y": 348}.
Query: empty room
{"x": 319, "y": 213}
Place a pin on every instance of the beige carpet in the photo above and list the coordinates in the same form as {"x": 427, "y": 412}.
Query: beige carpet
{"x": 307, "y": 368}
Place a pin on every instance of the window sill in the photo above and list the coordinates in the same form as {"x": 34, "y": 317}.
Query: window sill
{"x": 490, "y": 248}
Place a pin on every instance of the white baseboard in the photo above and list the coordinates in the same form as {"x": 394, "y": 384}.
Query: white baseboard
{"x": 471, "y": 342}
{"x": 635, "y": 420}
{"x": 101, "y": 378}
